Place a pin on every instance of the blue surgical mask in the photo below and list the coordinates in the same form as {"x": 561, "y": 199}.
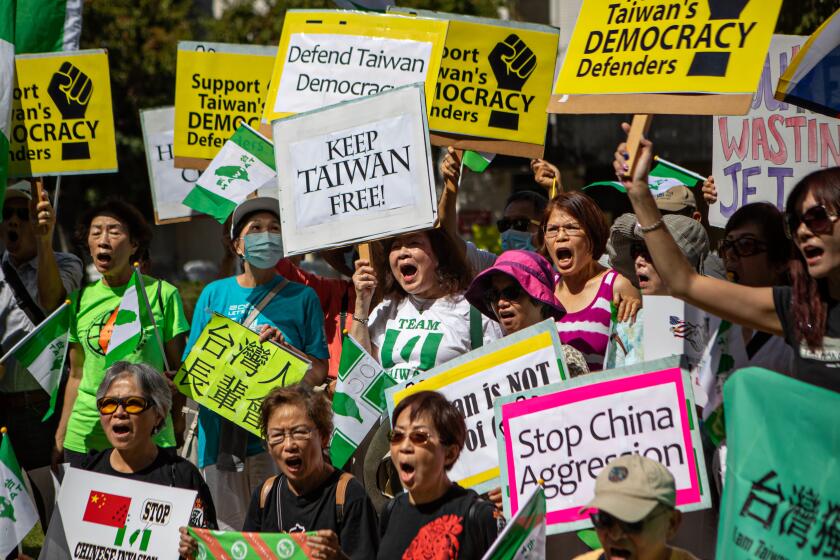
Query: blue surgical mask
{"x": 263, "y": 250}
{"x": 513, "y": 239}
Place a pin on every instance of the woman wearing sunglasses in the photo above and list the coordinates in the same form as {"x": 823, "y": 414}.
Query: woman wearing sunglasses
{"x": 434, "y": 518}
{"x": 807, "y": 313}
{"x": 133, "y": 402}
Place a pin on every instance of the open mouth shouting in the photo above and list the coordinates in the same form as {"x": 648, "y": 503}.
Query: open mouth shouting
{"x": 409, "y": 272}
{"x": 613, "y": 552}
{"x": 103, "y": 259}
{"x": 563, "y": 256}
{"x": 813, "y": 254}
{"x": 294, "y": 465}
{"x": 122, "y": 429}
{"x": 407, "y": 472}
{"x": 507, "y": 318}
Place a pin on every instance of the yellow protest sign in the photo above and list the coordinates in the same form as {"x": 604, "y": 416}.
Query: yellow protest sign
{"x": 218, "y": 86}
{"x": 327, "y": 56}
{"x": 230, "y": 372}
{"x": 62, "y": 119}
{"x": 495, "y": 79}
{"x": 668, "y": 46}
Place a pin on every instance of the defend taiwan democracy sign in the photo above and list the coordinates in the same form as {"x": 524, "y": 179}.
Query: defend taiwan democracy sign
{"x": 62, "y": 120}
{"x": 326, "y": 57}
{"x": 101, "y": 516}
{"x": 356, "y": 171}
{"x": 218, "y": 86}
{"x": 230, "y": 371}
{"x": 761, "y": 156}
{"x": 781, "y": 498}
{"x": 494, "y": 84}
{"x": 667, "y": 46}
{"x": 527, "y": 359}
{"x": 565, "y": 434}
{"x": 169, "y": 185}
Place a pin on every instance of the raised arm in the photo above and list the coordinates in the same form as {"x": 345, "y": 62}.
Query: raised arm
{"x": 450, "y": 168}
{"x": 751, "y": 307}
{"x": 51, "y": 291}
{"x": 546, "y": 175}
{"x": 364, "y": 281}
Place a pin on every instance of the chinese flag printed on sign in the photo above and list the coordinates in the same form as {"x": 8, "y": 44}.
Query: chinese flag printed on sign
{"x": 107, "y": 509}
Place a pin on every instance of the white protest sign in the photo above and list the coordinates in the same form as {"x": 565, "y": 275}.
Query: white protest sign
{"x": 112, "y": 517}
{"x": 169, "y": 185}
{"x": 354, "y": 172}
{"x": 762, "y": 155}
{"x": 527, "y": 359}
{"x": 565, "y": 434}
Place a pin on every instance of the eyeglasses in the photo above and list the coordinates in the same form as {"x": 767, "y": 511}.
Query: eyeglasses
{"x": 416, "y": 437}
{"x": 818, "y": 219}
{"x": 605, "y": 521}
{"x": 510, "y": 293}
{"x": 571, "y": 230}
{"x": 22, "y": 213}
{"x": 298, "y": 435}
{"x": 132, "y": 405}
{"x": 638, "y": 249}
{"x": 519, "y": 224}
{"x": 743, "y": 246}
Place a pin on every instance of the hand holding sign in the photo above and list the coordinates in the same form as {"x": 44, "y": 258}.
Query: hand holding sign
{"x": 512, "y": 63}
{"x": 71, "y": 90}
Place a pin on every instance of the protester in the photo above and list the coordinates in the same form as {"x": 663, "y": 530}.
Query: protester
{"x": 806, "y": 313}
{"x": 115, "y": 234}
{"x": 434, "y": 518}
{"x": 34, "y": 281}
{"x": 309, "y": 495}
{"x": 232, "y": 460}
{"x": 635, "y": 515}
{"x": 574, "y": 237}
{"x": 134, "y": 401}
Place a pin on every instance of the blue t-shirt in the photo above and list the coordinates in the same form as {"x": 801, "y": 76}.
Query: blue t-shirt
{"x": 294, "y": 310}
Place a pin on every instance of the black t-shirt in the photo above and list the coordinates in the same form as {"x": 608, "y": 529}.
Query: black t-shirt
{"x": 168, "y": 469}
{"x": 819, "y": 367}
{"x": 443, "y": 529}
{"x": 316, "y": 510}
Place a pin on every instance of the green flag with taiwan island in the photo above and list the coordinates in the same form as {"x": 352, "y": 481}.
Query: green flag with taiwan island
{"x": 224, "y": 545}
{"x": 781, "y": 497}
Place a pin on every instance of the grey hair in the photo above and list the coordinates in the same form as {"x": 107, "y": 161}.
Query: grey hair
{"x": 151, "y": 383}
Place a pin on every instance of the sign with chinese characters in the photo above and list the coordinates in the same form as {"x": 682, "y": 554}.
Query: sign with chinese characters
{"x": 782, "y": 499}
{"x": 229, "y": 371}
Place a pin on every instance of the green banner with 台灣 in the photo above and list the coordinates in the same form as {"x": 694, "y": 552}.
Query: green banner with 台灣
{"x": 781, "y": 496}
{"x": 225, "y": 545}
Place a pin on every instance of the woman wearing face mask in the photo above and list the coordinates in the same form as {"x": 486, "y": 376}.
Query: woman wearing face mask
{"x": 574, "y": 236}
{"x": 434, "y": 518}
{"x": 234, "y": 462}
{"x": 807, "y": 314}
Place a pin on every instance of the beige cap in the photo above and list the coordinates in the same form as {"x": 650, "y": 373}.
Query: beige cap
{"x": 630, "y": 486}
{"x": 676, "y": 199}
{"x": 19, "y": 189}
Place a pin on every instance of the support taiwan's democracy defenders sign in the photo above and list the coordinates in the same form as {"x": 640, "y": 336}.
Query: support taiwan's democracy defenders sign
{"x": 218, "y": 86}
{"x": 62, "y": 120}
{"x": 100, "y": 516}
{"x": 168, "y": 184}
{"x": 527, "y": 359}
{"x": 356, "y": 171}
{"x": 229, "y": 371}
{"x": 565, "y": 434}
{"x": 326, "y": 57}
{"x": 667, "y": 46}
{"x": 493, "y": 85}
{"x": 781, "y": 497}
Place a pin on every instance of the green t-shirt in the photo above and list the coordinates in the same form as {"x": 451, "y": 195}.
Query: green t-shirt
{"x": 90, "y": 327}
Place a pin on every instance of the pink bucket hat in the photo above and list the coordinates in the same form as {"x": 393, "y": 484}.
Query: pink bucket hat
{"x": 531, "y": 270}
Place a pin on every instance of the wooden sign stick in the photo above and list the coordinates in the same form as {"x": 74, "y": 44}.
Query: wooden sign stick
{"x": 364, "y": 252}
{"x": 638, "y": 130}
{"x": 39, "y": 188}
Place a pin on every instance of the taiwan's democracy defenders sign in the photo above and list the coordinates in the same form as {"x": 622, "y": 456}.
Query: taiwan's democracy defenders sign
{"x": 494, "y": 84}
{"x": 565, "y": 434}
{"x": 326, "y": 57}
{"x": 354, "y": 172}
{"x": 218, "y": 86}
{"x": 62, "y": 119}
{"x": 527, "y": 359}
{"x": 229, "y": 371}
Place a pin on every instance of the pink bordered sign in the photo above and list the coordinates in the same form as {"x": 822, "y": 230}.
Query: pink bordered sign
{"x": 563, "y": 435}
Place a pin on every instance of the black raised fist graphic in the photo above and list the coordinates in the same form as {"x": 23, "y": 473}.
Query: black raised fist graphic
{"x": 71, "y": 90}
{"x": 512, "y": 62}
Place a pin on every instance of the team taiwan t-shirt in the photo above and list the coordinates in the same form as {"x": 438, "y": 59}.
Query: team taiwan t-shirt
{"x": 415, "y": 334}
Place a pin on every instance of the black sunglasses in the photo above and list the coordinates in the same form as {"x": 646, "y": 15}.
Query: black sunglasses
{"x": 603, "y": 520}
{"x": 818, "y": 219}
{"x": 639, "y": 248}
{"x": 742, "y": 247}
{"x": 510, "y": 293}
{"x": 132, "y": 405}
{"x": 22, "y": 213}
{"x": 519, "y": 224}
{"x": 416, "y": 437}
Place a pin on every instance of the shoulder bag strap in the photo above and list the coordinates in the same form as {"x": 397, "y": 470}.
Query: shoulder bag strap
{"x": 22, "y": 297}
{"x": 476, "y": 334}
{"x": 266, "y": 490}
{"x": 340, "y": 494}
{"x": 255, "y": 312}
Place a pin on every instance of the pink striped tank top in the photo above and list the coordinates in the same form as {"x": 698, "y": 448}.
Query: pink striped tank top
{"x": 588, "y": 330}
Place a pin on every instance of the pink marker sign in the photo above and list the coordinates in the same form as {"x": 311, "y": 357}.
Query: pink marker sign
{"x": 566, "y": 438}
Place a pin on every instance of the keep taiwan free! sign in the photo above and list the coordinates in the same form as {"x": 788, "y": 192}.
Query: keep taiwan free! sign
{"x": 524, "y": 360}
{"x": 565, "y": 434}
{"x": 327, "y": 56}
{"x": 354, "y": 172}
{"x": 62, "y": 119}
